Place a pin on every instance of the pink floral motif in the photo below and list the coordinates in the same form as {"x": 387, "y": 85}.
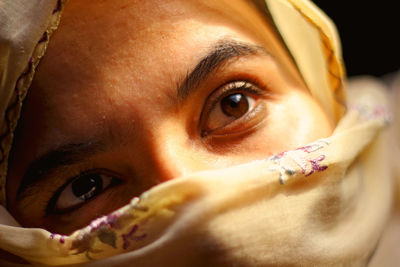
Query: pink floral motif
{"x": 315, "y": 165}
{"x": 130, "y": 236}
{"x": 105, "y": 221}
{"x": 107, "y": 229}
{"x": 61, "y": 238}
{"x": 373, "y": 112}
{"x": 287, "y": 161}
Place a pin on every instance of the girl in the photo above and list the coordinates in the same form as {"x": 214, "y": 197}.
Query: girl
{"x": 186, "y": 133}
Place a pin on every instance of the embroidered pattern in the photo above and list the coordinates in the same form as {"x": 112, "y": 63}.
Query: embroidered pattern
{"x": 130, "y": 236}
{"x": 61, "y": 238}
{"x": 368, "y": 112}
{"x": 289, "y": 163}
{"x": 110, "y": 230}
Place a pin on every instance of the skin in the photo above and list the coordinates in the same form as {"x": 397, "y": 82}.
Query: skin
{"x": 110, "y": 76}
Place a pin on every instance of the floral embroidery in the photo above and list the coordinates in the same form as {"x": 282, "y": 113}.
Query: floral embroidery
{"x": 372, "y": 112}
{"x": 105, "y": 221}
{"x": 108, "y": 237}
{"x": 61, "y": 238}
{"x": 130, "y": 236}
{"x": 85, "y": 244}
{"x": 109, "y": 230}
{"x": 315, "y": 165}
{"x": 287, "y": 162}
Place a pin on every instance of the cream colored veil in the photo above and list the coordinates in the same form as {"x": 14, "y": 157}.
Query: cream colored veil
{"x": 322, "y": 204}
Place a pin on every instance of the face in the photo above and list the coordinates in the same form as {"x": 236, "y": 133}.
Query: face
{"x": 134, "y": 93}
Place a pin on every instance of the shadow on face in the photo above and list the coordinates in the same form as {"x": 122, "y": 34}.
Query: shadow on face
{"x": 131, "y": 94}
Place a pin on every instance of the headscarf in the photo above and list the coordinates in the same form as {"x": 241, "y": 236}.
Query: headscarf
{"x": 25, "y": 29}
{"x": 322, "y": 204}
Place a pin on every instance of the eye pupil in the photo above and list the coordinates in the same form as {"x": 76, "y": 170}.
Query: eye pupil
{"x": 235, "y": 105}
{"x": 87, "y": 187}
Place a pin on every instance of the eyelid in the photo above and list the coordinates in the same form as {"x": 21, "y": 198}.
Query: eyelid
{"x": 232, "y": 87}
{"x": 53, "y": 200}
{"x": 226, "y": 89}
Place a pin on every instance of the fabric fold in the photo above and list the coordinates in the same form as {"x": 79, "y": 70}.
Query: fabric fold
{"x": 204, "y": 203}
{"x": 323, "y": 204}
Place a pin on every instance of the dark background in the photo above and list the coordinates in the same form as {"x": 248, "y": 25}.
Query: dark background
{"x": 370, "y": 33}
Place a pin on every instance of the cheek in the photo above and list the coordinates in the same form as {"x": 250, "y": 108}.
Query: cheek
{"x": 293, "y": 121}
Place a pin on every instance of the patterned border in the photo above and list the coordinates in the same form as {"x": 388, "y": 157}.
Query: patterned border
{"x": 22, "y": 84}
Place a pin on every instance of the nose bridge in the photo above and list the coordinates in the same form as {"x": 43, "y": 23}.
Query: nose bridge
{"x": 173, "y": 153}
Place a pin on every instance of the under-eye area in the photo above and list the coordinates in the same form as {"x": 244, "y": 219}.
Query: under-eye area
{"x": 105, "y": 120}
{"x": 191, "y": 133}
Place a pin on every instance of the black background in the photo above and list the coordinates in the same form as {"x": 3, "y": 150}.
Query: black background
{"x": 370, "y": 34}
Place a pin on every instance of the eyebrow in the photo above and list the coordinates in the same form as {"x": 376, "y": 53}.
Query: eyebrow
{"x": 65, "y": 155}
{"x": 222, "y": 52}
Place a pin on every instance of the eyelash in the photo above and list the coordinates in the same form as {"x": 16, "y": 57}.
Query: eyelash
{"x": 50, "y": 206}
{"x": 250, "y": 86}
{"x": 232, "y": 87}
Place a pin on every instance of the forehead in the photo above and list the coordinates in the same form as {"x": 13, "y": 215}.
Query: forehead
{"x": 120, "y": 57}
{"x": 101, "y": 39}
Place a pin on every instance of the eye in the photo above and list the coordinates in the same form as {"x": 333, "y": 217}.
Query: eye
{"x": 79, "y": 190}
{"x": 236, "y": 105}
{"x": 232, "y": 109}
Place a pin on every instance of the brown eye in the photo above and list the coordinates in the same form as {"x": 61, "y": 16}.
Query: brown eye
{"x": 80, "y": 190}
{"x": 235, "y": 105}
{"x": 87, "y": 187}
{"x": 233, "y": 109}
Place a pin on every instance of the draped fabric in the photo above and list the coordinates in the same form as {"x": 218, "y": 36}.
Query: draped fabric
{"x": 25, "y": 29}
{"x": 323, "y": 204}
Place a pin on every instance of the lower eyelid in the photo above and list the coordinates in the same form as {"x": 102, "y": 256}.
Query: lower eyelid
{"x": 80, "y": 217}
{"x": 228, "y": 88}
{"x": 51, "y": 206}
{"x": 99, "y": 201}
{"x": 253, "y": 118}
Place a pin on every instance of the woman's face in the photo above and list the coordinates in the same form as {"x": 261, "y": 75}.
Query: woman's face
{"x": 134, "y": 93}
